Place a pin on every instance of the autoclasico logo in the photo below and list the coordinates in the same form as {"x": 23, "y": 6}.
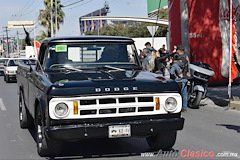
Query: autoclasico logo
{"x": 197, "y": 154}
{"x": 190, "y": 154}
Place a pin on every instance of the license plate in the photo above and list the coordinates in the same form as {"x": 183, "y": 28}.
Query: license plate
{"x": 119, "y": 131}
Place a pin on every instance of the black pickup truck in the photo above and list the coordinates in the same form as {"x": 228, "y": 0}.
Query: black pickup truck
{"x": 94, "y": 87}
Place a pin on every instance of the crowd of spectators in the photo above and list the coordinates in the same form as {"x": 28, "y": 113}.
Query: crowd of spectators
{"x": 176, "y": 63}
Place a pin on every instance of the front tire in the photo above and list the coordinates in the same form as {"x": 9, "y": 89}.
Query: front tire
{"x": 45, "y": 146}
{"x": 7, "y": 79}
{"x": 164, "y": 140}
{"x": 195, "y": 100}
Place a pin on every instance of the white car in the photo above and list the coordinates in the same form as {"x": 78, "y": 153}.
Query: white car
{"x": 2, "y": 62}
{"x": 10, "y": 70}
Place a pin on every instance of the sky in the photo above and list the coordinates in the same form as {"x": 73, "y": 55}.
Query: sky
{"x": 19, "y": 10}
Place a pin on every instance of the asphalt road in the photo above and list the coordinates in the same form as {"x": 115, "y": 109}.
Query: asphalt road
{"x": 207, "y": 131}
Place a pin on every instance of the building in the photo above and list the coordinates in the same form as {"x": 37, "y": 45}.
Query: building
{"x": 91, "y": 25}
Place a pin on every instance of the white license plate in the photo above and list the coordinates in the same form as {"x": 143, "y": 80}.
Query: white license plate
{"x": 119, "y": 131}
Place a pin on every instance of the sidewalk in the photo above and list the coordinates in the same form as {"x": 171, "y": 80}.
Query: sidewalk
{"x": 219, "y": 96}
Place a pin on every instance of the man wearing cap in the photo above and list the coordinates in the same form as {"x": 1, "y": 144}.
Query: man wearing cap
{"x": 183, "y": 62}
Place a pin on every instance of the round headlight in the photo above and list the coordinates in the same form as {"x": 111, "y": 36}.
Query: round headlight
{"x": 61, "y": 110}
{"x": 171, "y": 104}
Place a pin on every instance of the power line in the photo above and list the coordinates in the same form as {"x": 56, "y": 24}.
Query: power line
{"x": 23, "y": 7}
{"x": 73, "y": 3}
{"x": 33, "y": 9}
{"x": 23, "y": 10}
{"x": 81, "y": 4}
{"x": 28, "y": 7}
{"x": 18, "y": 13}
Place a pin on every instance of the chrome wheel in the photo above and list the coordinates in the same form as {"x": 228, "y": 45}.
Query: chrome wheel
{"x": 45, "y": 146}
{"x": 25, "y": 118}
{"x": 20, "y": 110}
{"x": 39, "y": 134}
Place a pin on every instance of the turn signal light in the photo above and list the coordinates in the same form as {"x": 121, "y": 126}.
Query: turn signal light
{"x": 157, "y": 101}
{"x": 75, "y": 107}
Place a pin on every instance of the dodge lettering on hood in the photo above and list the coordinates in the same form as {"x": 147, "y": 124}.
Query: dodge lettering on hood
{"x": 94, "y": 87}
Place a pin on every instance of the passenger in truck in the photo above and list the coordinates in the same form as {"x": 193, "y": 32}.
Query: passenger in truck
{"x": 114, "y": 53}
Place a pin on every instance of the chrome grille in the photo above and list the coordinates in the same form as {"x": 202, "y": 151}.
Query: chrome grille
{"x": 106, "y": 105}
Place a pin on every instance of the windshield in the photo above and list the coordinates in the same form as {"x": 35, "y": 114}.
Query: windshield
{"x": 91, "y": 55}
{"x": 15, "y": 62}
{"x": 2, "y": 61}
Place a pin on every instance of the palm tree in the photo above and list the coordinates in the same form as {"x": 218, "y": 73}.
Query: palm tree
{"x": 42, "y": 36}
{"x": 44, "y": 18}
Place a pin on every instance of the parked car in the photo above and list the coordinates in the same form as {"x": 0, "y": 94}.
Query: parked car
{"x": 2, "y": 62}
{"x": 94, "y": 87}
{"x": 10, "y": 68}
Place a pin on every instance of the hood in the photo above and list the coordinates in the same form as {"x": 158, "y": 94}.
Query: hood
{"x": 98, "y": 82}
{"x": 11, "y": 68}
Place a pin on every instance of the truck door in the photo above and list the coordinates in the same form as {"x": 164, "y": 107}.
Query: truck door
{"x": 34, "y": 81}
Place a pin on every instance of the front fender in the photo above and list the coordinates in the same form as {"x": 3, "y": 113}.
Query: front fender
{"x": 198, "y": 88}
{"x": 39, "y": 102}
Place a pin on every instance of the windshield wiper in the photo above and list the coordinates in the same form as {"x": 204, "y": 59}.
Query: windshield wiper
{"x": 101, "y": 69}
{"x": 121, "y": 69}
{"x": 65, "y": 67}
{"x": 74, "y": 70}
{"x": 114, "y": 68}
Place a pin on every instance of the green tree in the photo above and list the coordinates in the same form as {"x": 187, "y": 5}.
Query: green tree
{"x": 134, "y": 30}
{"x": 163, "y": 13}
{"x": 44, "y": 18}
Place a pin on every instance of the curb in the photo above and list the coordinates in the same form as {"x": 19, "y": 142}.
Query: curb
{"x": 235, "y": 105}
{"x": 223, "y": 102}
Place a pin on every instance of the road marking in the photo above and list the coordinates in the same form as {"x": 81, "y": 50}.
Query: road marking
{"x": 2, "y": 106}
{"x": 19, "y": 138}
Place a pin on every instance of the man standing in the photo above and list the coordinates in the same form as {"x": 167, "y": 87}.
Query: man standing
{"x": 148, "y": 55}
{"x": 27, "y": 39}
{"x": 149, "y": 46}
{"x": 146, "y": 59}
{"x": 183, "y": 62}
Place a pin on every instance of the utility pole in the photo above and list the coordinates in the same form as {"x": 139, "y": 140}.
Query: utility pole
{"x": 56, "y": 5}
{"x": 51, "y": 18}
{"x": 230, "y": 55}
{"x": 6, "y": 30}
{"x": 2, "y": 48}
{"x": 18, "y": 50}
